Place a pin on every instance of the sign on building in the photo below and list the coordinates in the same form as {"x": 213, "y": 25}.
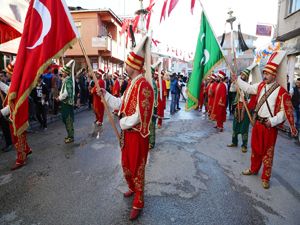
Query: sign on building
{"x": 263, "y": 30}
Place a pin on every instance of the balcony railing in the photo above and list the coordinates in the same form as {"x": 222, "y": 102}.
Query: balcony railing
{"x": 102, "y": 43}
{"x": 111, "y": 47}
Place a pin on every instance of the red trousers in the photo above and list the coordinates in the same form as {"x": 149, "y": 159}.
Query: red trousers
{"x": 99, "y": 112}
{"x": 220, "y": 124}
{"x": 263, "y": 142}
{"x": 134, "y": 158}
{"x": 21, "y": 145}
{"x": 159, "y": 121}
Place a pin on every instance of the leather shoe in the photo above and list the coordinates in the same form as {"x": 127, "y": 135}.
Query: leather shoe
{"x": 128, "y": 194}
{"x": 265, "y": 184}
{"x": 29, "y": 153}
{"x": 134, "y": 214}
{"x": 69, "y": 140}
{"x": 244, "y": 149}
{"x": 231, "y": 145}
{"x": 248, "y": 172}
{"x": 17, "y": 166}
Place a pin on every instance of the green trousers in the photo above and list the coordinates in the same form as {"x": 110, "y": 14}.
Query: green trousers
{"x": 67, "y": 112}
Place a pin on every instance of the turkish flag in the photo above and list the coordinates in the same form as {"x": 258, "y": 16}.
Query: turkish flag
{"x": 48, "y": 31}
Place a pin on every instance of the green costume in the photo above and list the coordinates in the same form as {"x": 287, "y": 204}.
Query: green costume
{"x": 154, "y": 116}
{"x": 67, "y": 110}
{"x": 240, "y": 122}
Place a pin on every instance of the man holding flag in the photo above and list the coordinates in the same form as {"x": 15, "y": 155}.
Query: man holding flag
{"x": 46, "y": 22}
{"x": 208, "y": 55}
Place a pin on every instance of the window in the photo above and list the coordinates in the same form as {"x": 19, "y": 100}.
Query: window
{"x": 294, "y": 5}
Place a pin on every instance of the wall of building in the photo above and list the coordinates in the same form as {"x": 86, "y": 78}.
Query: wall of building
{"x": 100, "y": 34}
{"x": 87, "y": 24}
{"x": 287, "y": 22}
{"x": 243, "y": 59}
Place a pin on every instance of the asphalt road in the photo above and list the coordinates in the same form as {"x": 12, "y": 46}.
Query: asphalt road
{"x": 191, "y": 178}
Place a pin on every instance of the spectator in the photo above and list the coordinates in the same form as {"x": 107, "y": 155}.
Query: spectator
{"x": 179, "y": 87}
{"x": 123, "y": 83}
{"x": 40, "y": 96}
{"x": 173, "y": 93}
{"x": 77, "y": 93}
{"x": 109, "y": 83}
{"x": 231, "y": 97}
{"x": 47, "y": 77}
{"x": 55, "y": 85}
{"x": 90, "y": 87}
{"x": 296, "y": 102}
{"x": 168, "y": 84}
{"x": 83, "y": 86}
{"x": 3, "y": 120}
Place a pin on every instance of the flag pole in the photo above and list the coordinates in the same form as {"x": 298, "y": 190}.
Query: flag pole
{"x": 229, "y": 67}
{"x": 111, "y": 120}
{"x": 235, "y": 66}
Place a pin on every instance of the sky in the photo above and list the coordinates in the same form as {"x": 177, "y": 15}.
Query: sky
{"x": 181, "y": 29}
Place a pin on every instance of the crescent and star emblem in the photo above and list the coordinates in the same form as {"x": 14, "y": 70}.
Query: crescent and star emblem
{"x": 206, "y": 56}
{"x": 46, "y": 22}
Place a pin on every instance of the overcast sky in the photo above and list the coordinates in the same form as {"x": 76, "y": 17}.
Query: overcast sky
{"x": 181, "y": 29}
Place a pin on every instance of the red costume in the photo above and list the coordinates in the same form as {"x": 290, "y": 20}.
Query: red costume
{"x": 20, "y": 141}
{"x": 22, "y": 147}
{"x": 135, "y": 141}
{"x": 263, "y": 139}
{"x": 97, "y": 103}
{"x": 211, "y": 96}
{"x": 273, "y": 107}
{"x": 161, "y": 102}
{"x": 116, "y": 88}
{"x": 219, "y": 107}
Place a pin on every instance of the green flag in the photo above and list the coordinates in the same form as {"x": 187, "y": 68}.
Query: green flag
{"x": 207, "y": 55}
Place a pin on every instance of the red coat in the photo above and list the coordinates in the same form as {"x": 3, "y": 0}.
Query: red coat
{"x": 97, "y": 103}
{"x": 135, "y": 141}
{"x": 219, "y": 107}
{"x": 116, "y": 88}
{"x": 161, "y": 103}
{"x": 211, "y": 95}
{"x": 285, "y": 98}
{"x": 142, "y": 95}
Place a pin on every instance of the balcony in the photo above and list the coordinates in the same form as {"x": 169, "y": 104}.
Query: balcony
{"x": 102, "y": 43}
{"x": 107, "y": 47}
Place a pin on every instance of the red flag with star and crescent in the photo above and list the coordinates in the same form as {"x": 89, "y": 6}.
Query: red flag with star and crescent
{"x": 49, "y": 30}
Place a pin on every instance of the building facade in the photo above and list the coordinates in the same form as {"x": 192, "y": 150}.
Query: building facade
{"x": 100, "y": 34}
{"x": 243, "y": 59}
{"x": 288, "y": 32}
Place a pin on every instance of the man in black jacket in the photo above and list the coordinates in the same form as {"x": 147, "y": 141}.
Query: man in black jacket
{"x": 296, "y": 102}
{"x": 40, "y": 96}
